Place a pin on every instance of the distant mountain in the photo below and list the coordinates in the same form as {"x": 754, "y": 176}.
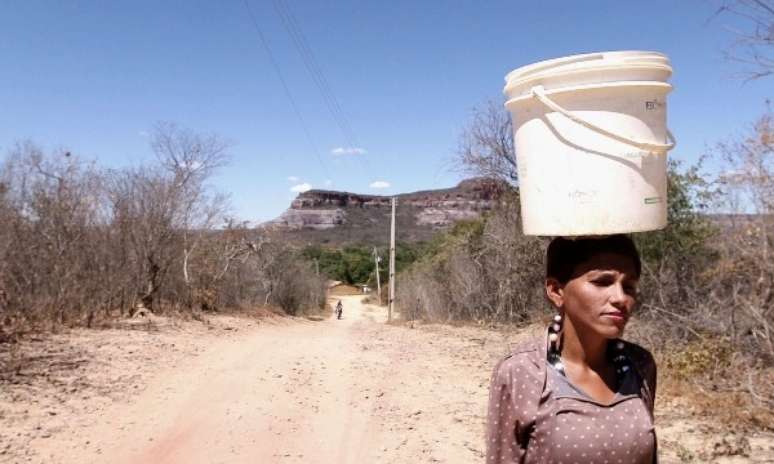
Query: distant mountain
{"x": 340, "y": 218}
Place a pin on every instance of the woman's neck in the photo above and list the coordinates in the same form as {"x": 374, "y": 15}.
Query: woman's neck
{"x": 588, "y": 350}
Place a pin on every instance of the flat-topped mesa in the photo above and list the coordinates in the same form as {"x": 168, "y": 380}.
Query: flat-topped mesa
{"x": 334, "y": 199}
{"x": 469, "y": 191}
{"x": 330, "y": 216}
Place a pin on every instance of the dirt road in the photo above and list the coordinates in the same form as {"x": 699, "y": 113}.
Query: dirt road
{"x": 334, "y": 391}
{"x": 281, "y": 390}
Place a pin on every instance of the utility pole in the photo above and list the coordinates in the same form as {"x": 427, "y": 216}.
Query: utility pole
{"x": 391, "y": 298}
{"x": 377, "y": 260}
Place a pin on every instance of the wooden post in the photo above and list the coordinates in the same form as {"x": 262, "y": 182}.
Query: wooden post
{"x": 391, "y": 299}
{"x": 377, "y": 259}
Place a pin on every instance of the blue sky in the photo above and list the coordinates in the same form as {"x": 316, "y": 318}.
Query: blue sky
{"x": 93, "y": 77}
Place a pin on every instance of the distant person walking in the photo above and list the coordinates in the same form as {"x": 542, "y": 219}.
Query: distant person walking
{"x": 339, "y": 309}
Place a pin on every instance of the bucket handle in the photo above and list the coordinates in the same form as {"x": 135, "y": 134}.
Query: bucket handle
{"x": 539, "y": 92}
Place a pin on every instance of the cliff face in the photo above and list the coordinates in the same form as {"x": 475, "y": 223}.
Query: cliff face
{"x": 330, "y": 216}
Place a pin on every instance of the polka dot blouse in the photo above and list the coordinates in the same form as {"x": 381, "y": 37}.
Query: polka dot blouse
{"x": 536, "y": 415}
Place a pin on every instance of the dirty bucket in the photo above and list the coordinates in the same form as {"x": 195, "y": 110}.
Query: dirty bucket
{"x": 591, "y": 142}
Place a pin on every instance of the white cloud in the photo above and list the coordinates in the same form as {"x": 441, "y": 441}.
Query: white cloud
{"x": 300, "y": 188}
{"x": 379, "y": 184}
{"x": 328, "y": 182}
{"x": 293, "y": 179}
{"x": 339, "y": 151}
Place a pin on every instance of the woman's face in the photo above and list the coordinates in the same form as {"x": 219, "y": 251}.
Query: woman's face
{"x": 600, "y": 295}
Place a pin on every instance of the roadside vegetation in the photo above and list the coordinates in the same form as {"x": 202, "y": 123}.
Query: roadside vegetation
{"x": 707, "y": 289}
{"x": 85, "y": 245}
{"x": 355, "y": 264}
{"x": 81, "y": 244}
{"x": 706, "y": 307}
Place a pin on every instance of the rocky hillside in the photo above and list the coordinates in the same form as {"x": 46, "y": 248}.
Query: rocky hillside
{"x": 323, "y": 216}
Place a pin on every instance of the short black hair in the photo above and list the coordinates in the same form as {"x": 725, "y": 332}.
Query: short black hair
{"x": 564, "y": 255}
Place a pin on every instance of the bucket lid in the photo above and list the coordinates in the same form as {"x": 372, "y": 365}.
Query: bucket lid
{"x": 586, "y": 69}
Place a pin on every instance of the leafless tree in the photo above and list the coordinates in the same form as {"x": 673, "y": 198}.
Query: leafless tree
{"x": 163, "y": 214}
{"x": 146, "y": 211}
{"x": 53, "y": 208}
{"x": 748, "y": 254}
{"x": 486, "y": 271}
{"x": 485, "y": 146}
{"x": 191, "y": 158}
{"x": 79, "y": 244}
{"x": 291, "y": 283}
{"x": 220, "y": 252}
{"x": 754, "y": 45}
{"x": 751, "y": 165}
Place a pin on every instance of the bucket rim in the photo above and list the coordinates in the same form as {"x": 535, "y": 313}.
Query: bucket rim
{"x": 587, "y": 60}
{"x": 588, "y": 63}
{"x": 575, "y": 88}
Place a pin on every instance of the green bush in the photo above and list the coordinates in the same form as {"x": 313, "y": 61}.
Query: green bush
{"x": 687, "y": 237}
{"x": 355, "y": 264}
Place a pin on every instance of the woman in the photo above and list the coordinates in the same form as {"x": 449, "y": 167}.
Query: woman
{"x": 578, "y": 394}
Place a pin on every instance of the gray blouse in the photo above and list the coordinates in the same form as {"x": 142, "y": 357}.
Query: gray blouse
{"x": 536, "y": 415}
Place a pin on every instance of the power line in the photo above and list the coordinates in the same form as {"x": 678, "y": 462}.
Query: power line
{"x": 285, "y": 87}
{"x": 311, "y": 64}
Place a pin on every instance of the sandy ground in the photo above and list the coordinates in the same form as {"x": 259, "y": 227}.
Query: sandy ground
{"x": 238, "y": 390}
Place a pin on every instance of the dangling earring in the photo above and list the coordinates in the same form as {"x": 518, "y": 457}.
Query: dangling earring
{"x": 554, "y": 337}
{"x": 555, "y": 330}
{"x": 620, "y": 360}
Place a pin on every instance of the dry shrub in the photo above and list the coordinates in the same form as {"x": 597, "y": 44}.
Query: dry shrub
{"x": 370, "y": 299}
{"x": 81, "y": 245}
{"x": 707, "y": 305}
{"x": 291, "y": 283}
{"x": 730, "y": 407}
{"x": 700, "y": 357}
{"x": 345, "y": 290}
{"x": 707, "y": 301}
{"x": 710, "y": 290}
{"x": 483, "y": 270}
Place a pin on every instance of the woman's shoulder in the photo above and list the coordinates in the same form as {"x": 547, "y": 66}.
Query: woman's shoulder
{"x": 523, "y": 359}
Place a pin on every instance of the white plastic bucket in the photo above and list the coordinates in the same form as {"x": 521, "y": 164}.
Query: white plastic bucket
{"x": 591, "y": 142}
